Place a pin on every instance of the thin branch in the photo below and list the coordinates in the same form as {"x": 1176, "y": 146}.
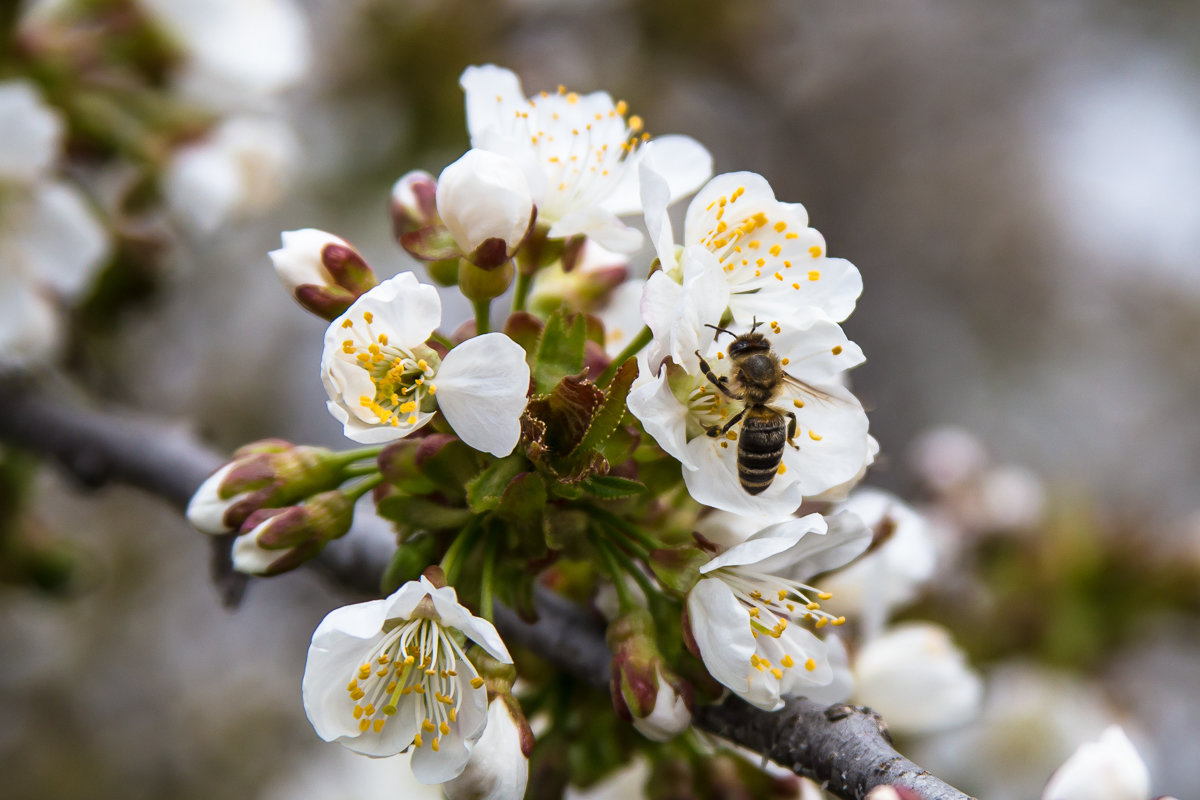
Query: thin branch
{"x": 844, "y": 747}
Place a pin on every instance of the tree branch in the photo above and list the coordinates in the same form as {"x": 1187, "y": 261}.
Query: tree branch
{"x": 846, "y": 748}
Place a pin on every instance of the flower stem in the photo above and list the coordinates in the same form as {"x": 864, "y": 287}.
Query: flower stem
{"x": 487, "y": 582}
{"x": 359, "y": 489}
{"x": 632, "y": 568}
{"x": 632, "y": 349}
{"x": 450, "y": 561}
{"x": 624, "y": 598}
{"x": 358, "y": 454}
{"x": 521, "y": 290}
{"x": 638, "y": 539}
{"x": 483, "y": 309}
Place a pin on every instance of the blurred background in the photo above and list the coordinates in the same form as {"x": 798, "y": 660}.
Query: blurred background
{"x": 1018, "y": 183}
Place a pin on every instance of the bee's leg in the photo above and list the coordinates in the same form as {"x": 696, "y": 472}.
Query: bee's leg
{"x": 791, "y": 415}
{"x": 720, "y": 430}
{"x": 718, "y": 381}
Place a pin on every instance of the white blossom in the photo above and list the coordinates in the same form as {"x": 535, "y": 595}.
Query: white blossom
{"x": 579, "y": 153}
{"x": 236, "y": 50}
{"x": 498, "y": 768}
{"x": 1108, "y": 769}
{"x": 242, "y": 167}
{"x": 388, "y": 675}
{"x": 917, "y": 679}
{"x": 748, "y": 610}
{"x": 831, "y": 447}
{"x": 483, "y": 197}
{"x": 745, "y": 254}
{"x": 892, "y": 573}
{"x": 31, "y": 133}
{"x": 50, "y": 241}
{"x": 384, "y": 382}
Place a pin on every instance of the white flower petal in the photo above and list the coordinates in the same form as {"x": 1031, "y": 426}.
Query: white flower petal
{"x": 722, "y": 633}
{"x": 498, "y": 769}
{"x": 662, "y": 415}
{"x": 840, "y": 687}
{"x": 454, "y": 749}
{"x": 833, "y": 443}
{"x": 30, "y": 330}
{"x": 600, "y": 226}
{"x": 1109, "y": 769}
{"x": 481, "y": 388}
{"x": 890, "y": 575}
{"x": 818, "y": 353}
{"x": 250, "y": 558}
{"x": 299, "y": 263}
{"x": 670, "y": 716}
{"x": 252, "y": 47}
{"x": 488, "y": 89}
{"x": 484, "y": 196}
{"x": 682, "y": 162}
{"x": 845, "y": 540}
{"x": 31, "y": 133}
{"x": 206, "y": 510}
{"x": 656, "y": 196}
{"x": 714, "y": 482}
{"x": 769, "y": 542}
{"x": 918, "y": 680}
{"x": 63, "y": 243}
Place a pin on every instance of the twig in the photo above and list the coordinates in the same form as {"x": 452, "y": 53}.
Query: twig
{"x": 844, "y": 747}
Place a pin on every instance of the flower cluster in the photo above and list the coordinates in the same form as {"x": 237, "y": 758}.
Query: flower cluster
{"x": 603, "y": 440}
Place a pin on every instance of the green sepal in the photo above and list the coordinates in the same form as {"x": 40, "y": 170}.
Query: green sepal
{"x": 485, "y": 490}
{"x": 608, "y": 416}
{"x": 433, "y": 243}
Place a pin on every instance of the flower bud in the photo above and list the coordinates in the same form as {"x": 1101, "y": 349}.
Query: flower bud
{"x": 275, "y": 540}
{"x": 413, "y": 202}
{"x": 322, "y": 271}
{"x": 892, "y": 793}
{"x": 644, "y": 690}
{"x": 585, "y": 287}
{"x": 499, "y": 765}
{"x": 266, "y": 474}
{"x": 485, "y": 203}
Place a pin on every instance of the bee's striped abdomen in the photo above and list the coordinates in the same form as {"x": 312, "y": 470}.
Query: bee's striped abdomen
{"x": 760, "y": 448}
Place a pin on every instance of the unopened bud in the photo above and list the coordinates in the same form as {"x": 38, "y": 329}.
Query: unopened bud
{"x": 585, "y": 285}
{"x": 485, "y": 203}
{"x": 498, "y": 768}
{"x": 270, "y": 474}
{"x": 644, "y": 690}
{"x": 892, "y": 793}
{"x": 275, "y": 540}
{"x": 413, "y": 203}
{"x": 322, "y": 271}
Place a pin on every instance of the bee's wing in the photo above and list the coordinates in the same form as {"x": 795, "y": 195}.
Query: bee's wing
{"x": 820, "y": 395}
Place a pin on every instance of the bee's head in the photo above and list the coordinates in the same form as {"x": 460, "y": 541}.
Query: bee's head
{"x": 749, "y": 343}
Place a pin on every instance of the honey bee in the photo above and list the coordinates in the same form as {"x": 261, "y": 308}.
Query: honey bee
{"x": 757, "y": 379}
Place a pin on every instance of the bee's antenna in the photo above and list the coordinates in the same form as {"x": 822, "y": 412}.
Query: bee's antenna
{"x": 719, "y": 330}
{"x": 754, "y": 324}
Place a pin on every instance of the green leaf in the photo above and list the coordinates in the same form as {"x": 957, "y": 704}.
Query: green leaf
{"x": 560, "y": 351}
{"x": 522, "y": 511}
{"x": 485, "y": 490}
{"x": 611, "y": 487}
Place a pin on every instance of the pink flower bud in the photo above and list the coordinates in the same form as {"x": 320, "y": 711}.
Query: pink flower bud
{"x": 322, "y": 271}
